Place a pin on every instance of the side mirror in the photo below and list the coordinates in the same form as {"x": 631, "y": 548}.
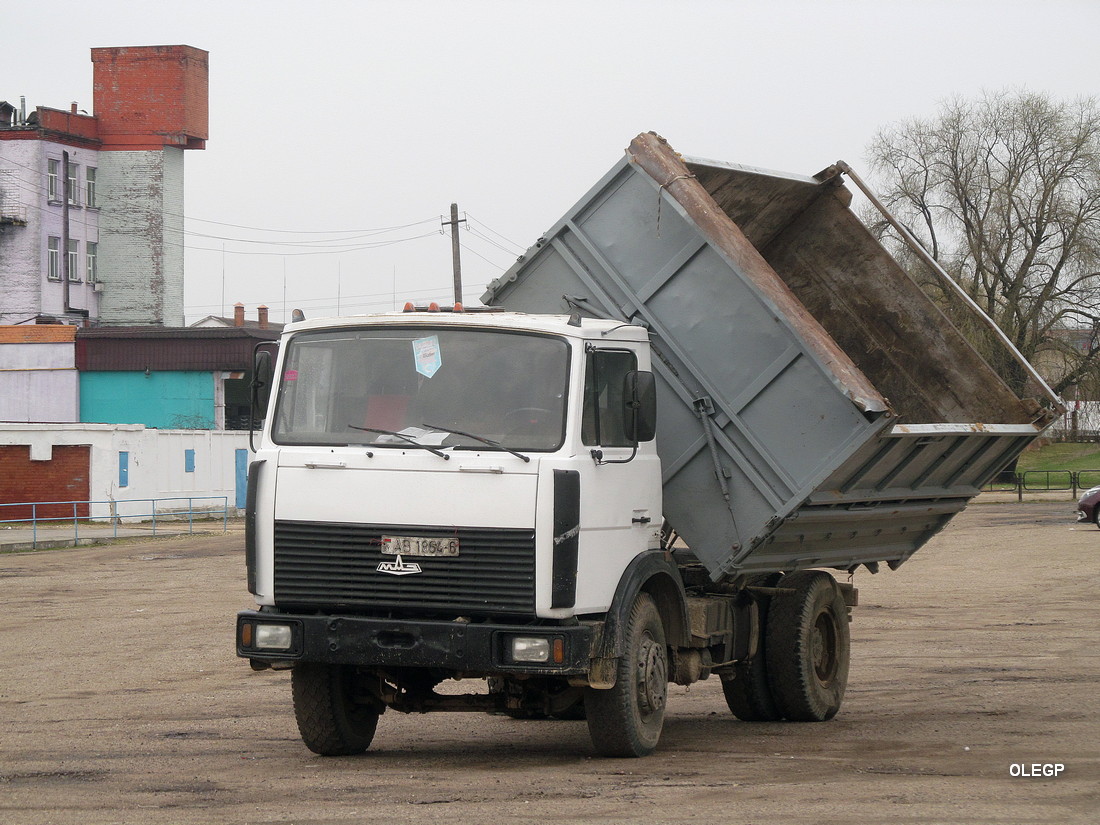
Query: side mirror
{"x": 263, "y": 371}
{"x": 640, "y": 405}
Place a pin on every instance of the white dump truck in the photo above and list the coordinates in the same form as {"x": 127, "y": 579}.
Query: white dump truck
{"x": 702, "y": 390}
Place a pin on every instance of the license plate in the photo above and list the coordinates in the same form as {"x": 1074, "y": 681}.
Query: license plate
{"x": 418, "y": 546}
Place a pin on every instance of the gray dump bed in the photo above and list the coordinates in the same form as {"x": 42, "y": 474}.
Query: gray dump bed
{"x": 816, "y": 409}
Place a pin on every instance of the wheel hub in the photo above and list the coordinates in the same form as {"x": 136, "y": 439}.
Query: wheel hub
{"x": 823, "y": 648}
{"x": 652, "y": 676}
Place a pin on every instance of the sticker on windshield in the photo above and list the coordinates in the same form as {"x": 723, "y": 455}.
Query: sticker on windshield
{"x": 426, "y": 353}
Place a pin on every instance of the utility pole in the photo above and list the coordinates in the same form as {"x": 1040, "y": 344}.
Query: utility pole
{"x": 456, "y": 255}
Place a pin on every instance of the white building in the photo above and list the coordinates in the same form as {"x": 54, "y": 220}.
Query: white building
{"x": 49, "y": 248}
{"x": 91, "y": 206}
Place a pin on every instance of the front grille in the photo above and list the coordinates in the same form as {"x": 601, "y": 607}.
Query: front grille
{"x": 321, "y": 564}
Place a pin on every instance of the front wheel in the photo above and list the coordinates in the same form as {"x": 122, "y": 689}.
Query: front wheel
{"x": 330, "y": 719}
{"x": 808, "y": 646}
{"x": 626, "y": 720}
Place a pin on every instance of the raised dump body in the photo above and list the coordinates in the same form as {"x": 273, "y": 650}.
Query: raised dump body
{"x": 816, "y": 409}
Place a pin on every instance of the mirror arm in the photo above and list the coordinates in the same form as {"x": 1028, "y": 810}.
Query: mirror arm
{"x": 597, "y": 456}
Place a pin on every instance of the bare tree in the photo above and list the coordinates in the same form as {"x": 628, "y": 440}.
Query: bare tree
{"x": 1004, "y": 191}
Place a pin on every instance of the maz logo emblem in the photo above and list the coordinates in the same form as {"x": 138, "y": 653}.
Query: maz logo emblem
{"x": 399, "y": 567}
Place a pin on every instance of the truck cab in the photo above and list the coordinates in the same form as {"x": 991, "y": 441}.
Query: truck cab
{"x": 441, "y": 495}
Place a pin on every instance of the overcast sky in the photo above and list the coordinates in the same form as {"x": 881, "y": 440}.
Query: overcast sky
{"x": 331, "y": 120}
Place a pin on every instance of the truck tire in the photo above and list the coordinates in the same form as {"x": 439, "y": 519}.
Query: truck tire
{"x": 329, "y": 719}
{"x": 748, "y": 693}
{"x": 808, "y": 646}
{"x": 626, "y": 720}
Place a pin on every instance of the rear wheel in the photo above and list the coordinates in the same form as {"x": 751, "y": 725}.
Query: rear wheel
{"x": 748, "y": 693}
{"x": 808, "y": 647}
{"x": 330, "y": 719}
{"x": 627, "y": 719}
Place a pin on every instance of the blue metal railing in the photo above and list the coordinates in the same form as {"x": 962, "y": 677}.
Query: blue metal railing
{"x": 155, "y": 507}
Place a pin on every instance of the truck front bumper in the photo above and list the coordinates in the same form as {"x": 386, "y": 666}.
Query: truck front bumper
{"x": 281, "y": 639}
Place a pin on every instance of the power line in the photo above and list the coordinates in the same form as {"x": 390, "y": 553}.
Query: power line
{"x": 478, "y": 233}
{"x": 375, "y": 231}
{"x": 519, "y": 247}
{"x": 328, "y": 243}
{"x": 106, "y": 200}
{"x": 343, "y": 243}
{"x": 357, "y": 248}
{"x": 475, "y": 252}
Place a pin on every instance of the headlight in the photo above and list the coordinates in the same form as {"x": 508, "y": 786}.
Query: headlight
{"x": 537, "y": 649}
{"x": 274, "y": 637}
{"x": 532, "y": 649}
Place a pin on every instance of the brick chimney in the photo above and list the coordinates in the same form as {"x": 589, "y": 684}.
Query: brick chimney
{"x": 238, "y": 314}
{"x": 262, "y": 312}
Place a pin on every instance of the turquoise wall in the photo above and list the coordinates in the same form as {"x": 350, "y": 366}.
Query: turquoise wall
{"x": 166, "y": 400}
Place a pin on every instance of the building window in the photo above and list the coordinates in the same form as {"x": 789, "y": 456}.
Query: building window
{"x": 74, "y": 186}
{"x": 53, "y": 258}
{"x": 74, "y": 260}
{"x": 93, "y": 261}
{"x": 89, "y": 189}
{"x": 53, "y": 172}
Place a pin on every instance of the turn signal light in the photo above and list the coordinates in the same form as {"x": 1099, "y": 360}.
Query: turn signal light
{"x": 435, "y": 306}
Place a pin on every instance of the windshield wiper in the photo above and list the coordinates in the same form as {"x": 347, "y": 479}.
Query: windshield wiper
{"x": 487, "y": 441}
{"x": 405, "y": 438}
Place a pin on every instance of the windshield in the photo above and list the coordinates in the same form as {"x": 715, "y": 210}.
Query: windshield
{"x": 364, "y": 385}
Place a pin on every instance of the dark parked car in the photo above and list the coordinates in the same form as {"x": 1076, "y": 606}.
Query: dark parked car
{"x": 1088, "y": 506}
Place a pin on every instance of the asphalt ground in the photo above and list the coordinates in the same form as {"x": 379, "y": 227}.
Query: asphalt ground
{"x": 972, "y": 698}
